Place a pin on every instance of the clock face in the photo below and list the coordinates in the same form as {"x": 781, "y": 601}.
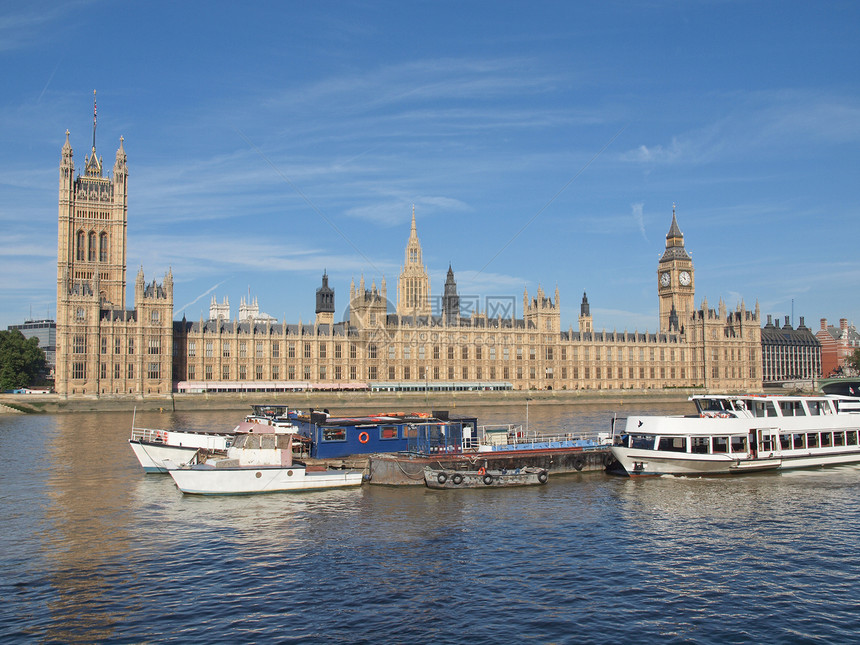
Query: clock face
{"x": 684, "y": 278}
{"x": 664, "y": 279}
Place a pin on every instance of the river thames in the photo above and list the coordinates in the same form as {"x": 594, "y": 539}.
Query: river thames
{"x": 94, "y": 550}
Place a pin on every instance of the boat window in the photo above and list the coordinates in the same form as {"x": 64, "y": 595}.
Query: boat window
{"x": 700, "y": 445}
{"x": 410, "y": 432}
{"x": 673, "y": 444}
{"x": 792, "y": 409}
{"x": 388, "y": 432}
{"x": 252, "y": 442}
{"x": 812, "y": 440}
{"x": 334, "y": 434}
{"x": 766, "y": 443}
{"x": 798, "y": 441}
{"x": 239, "y": 442}
{"x": 642, "y": 441}
{"x": 851, "y": 438}
{"x": 785, "y": 441}
{"x": 721, "y": 444}
{"x": 739, "y": 444}
{"x": 285, "y": 441}
{"x": 714, "y": 405}
{"x": 267, "y": 441}
{"x": 826, "y": 439}
{"x": 815, "y": 408}
{"x": 839, "y": 438}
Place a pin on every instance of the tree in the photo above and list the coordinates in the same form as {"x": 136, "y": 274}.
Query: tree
{"x": 853, "y": 361}
{"x": 22, "y": 361}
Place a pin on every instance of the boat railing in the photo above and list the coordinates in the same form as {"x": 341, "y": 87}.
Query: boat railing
{"x": 499, "y": 436}
{"x": 150, "y": 435}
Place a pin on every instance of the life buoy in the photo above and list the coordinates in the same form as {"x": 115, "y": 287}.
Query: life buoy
{"x": 457, "y": 479}
{"x": 363, "y": 437}
{"x": 578, "y": 463}
{"x": 542, "y": 477}
{"x": 488, "y": 479}
{"x": 441, "y": 478}
{"x": 482, "y": 471}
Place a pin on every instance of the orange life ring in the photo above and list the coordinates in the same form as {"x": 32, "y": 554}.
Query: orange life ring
{"x": 482, "y": 471}
{"x": 363, "y": 437}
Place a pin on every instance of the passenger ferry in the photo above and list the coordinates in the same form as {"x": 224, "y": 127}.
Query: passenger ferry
{"x": 742, "y": 433}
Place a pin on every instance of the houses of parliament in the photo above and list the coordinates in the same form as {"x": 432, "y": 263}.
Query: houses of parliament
{"x": 105, "y": 348}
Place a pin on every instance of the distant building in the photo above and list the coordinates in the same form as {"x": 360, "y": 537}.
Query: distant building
{"x": 837, "y": 344}
{"x": 789, "y": 354}
{"x": 46, "y": 332}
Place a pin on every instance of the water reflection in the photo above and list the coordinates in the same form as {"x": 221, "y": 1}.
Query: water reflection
{"x": 97, "y": 550}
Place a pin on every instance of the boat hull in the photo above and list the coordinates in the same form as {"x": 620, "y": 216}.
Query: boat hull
{"x": 458, "y": 479}
{"x": 244, "y": 480}
{"x": 157, "y": 457}
{"x": 637, "y": 462}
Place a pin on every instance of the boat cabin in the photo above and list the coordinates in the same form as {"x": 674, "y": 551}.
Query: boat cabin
{"x": 333, "y": 437}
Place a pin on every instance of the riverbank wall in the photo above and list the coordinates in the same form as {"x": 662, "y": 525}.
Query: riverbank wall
{"x": 339, "y": 402}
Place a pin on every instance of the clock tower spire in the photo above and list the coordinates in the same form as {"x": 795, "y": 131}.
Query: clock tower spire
{"x": 675, "y": 283}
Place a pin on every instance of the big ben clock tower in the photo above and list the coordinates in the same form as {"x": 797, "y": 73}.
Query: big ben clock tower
{"x": 675, "y": 283}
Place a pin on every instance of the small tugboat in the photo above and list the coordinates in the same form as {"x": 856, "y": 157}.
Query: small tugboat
{"x": 483, "y": 478}
{"x": 259, "y": 461}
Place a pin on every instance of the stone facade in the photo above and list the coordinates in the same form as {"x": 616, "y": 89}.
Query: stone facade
{"x": 710, "y": 348}
{"x": 104, "y": 348}
{"x": 789, "y": 354}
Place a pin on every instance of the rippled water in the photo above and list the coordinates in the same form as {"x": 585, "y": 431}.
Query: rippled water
{"x": 92, "y": 549}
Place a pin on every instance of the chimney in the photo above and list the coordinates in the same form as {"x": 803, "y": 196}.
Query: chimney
{"x": 824, "y": 324}
{"x": 843, "y": 324}
{"x": 802, "y": 325}
{"x": 769, "y": 321}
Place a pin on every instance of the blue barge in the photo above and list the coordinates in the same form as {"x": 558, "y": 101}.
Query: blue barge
{"x": 392, "y": 432}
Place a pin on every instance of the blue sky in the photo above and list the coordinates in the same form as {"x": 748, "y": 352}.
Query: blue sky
{"x": 542, "y": 143}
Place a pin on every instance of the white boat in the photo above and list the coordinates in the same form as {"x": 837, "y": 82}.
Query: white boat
{"x": 259, "y": 461}
{"x": 742, "y": 433}
{"x": 160, "y": 450}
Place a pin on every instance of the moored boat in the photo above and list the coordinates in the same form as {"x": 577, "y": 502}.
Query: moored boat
{"x": 742, "y": 433}
{"x": 260, "y": 461}
{"x": 483, "y": 478}
{"x": 160, "y": 450}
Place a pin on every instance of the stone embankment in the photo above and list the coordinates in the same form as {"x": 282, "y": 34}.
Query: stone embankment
{"x": 339, "y": 401}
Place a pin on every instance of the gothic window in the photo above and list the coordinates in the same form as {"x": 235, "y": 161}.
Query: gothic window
{"x": 80, "y": 344}
{"x": 207, "y": 371}
{"x": 225, "y": 372}
{"x": 103, "y": 247}
{"x": 79, "y": 370}
{"x": 276, "y": 372}
{"x": 225, "y": 349}
{"x": 91, "y": 248}
{"x": 208, "y": 348}
{"x": 276, "y": 349}
{"x": 116, "y": 370}
{"x": 192, "y": 348}
{"x": 117, "y": 347}
{"x": 154, "y": 371}
{"x": 260, "y": 349}
{"x": 131, "y": 349}
{"x": 154, "y": 317}
{"x": 154, "y": 347}
{"x": 131, "y": 370}
{"x": 371, "y": 351}
{"x": 259, "y": 372}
